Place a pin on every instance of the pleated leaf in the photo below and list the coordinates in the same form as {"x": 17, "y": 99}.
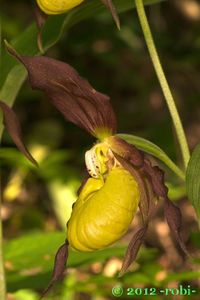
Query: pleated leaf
{"x": 193, "y": 180}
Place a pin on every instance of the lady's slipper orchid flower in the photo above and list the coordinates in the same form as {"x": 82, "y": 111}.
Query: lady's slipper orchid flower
{"x": 121, "y": 178}
{"x": 51, "y": 7}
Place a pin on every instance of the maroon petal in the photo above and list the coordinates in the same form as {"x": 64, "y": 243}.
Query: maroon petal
{"x": 59, "y": 266}
{"x": 151, "y": 183}
{"x": 13, "y": 127}
{"x": 146, "y": 207}
{"x": 172, "y": 212}
{"x": 173, "y": 217}
{"x": 133, "y": 249}
{"x": 144, "y": 200}
{"x": 72, "y": 95}
{"x": 127, "y": 151}
{"x": 109, "y": 4}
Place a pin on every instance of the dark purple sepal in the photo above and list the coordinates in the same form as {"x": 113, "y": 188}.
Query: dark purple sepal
{"x": 109, "y": 4}
{"x": 125, "y": 150}
{"x": 72, "y": 95}
{"x": 13, "y": 127}
{"x": 133, "y": 248}
{"x": 59, "y": 266}
{"x": 171, "y": 211}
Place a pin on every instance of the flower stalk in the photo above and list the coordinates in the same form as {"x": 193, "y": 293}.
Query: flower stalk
{"x": 163, "y": 82}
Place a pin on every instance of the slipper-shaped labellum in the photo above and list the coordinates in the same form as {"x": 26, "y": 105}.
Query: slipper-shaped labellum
{"x": 106, "y": 204}
{"x": 51, "y": 7}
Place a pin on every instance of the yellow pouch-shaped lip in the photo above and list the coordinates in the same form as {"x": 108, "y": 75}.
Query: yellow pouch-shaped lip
{"x": 103, "y": 211}
{"x": 51, "y": 7}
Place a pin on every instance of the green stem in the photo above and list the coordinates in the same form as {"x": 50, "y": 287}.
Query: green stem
{"x": 163, "y": 82}
{"x": 2, "y": 272}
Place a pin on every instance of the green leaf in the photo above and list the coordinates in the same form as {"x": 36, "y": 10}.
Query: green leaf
{"x": 25, "y": 294}
{"x": 176, "y": 192}
{"x": 15, "y": 158}
{"x": 9, "y": 91}
{"x": 12, "y": 72}
{"x": 195, "y": 238}
{"x": 182, "y": 276}
{"x": 193, "y": 180}
{"x": 29, "y": 259}
{"x": 154, "y": 150}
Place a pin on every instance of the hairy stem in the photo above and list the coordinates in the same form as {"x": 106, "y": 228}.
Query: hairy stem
{"x": 163, "y": 82}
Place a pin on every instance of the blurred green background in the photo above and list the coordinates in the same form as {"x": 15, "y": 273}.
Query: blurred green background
{"x": 36, "y": 203}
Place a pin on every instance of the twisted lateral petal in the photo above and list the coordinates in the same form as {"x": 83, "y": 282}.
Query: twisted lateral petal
{"x": 72, "y": 95}
{"x": 59, "y": 266}
{"x": 125, "y": 150}
{"x": 171, "y": 211}
{"x": 147, "y": 207}
{"x": 52, "y": 7}
{"x": 100, "y": 217}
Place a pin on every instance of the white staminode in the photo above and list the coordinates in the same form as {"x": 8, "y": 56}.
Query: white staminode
{"x": 92, "y": 163}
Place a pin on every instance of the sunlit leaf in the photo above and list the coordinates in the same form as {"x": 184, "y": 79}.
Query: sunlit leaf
{"x": 25, "y": 294}
{"x": 29, "y": 259}
{"x": 13, "y": 157}
{"x": 175, "y": 192}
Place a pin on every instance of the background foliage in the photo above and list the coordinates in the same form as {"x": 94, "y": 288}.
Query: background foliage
{"x": 37, "y": 202}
